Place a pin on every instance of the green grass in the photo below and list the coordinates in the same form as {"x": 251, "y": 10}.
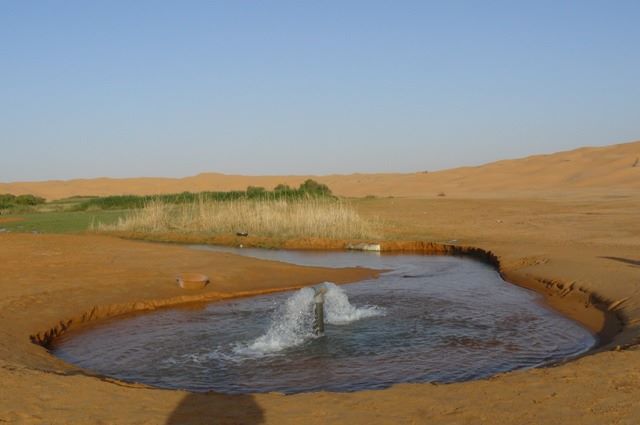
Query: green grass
{"x": 60, "y": 221}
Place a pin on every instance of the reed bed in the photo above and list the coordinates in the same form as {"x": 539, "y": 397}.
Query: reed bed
{"x": 311, "y": 217}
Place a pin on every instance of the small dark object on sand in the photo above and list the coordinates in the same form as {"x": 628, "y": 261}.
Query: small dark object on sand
{"x": 192, "y": 280}
{"x": 244, "y": 234}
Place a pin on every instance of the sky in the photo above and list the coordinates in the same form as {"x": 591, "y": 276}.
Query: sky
{"x": 153, "y": 88}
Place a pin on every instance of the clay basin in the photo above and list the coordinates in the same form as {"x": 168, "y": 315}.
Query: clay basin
{"x": 192, "y": 280}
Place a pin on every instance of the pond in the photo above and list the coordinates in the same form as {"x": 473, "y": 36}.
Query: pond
{"x": 425, "y": 319}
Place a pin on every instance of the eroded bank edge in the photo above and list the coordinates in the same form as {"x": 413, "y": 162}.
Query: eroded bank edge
{"x": 559, "y": 295}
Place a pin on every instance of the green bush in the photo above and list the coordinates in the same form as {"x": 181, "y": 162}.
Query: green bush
{"x": 7, "y": 200}
{"x": 282, "y": 188}
{"x": 312, "y": 187}
{"x": 253, "y": 191}
{"x": 29, "y": 200}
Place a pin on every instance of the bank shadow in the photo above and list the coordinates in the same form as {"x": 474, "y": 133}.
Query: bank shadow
{"x": 217, "y": 409}
{"x": 624, "y": 260}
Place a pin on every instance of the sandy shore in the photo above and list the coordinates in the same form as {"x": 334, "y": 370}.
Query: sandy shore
{"x": 566, "y": 248}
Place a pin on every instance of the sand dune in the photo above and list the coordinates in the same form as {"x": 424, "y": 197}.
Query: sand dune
{"x": 610, "y": 167}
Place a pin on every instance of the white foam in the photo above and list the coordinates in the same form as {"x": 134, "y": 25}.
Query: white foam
{"x": 292, "y": 324}
{"x": 219, "y": 354}
{"x": 339, "y": 311}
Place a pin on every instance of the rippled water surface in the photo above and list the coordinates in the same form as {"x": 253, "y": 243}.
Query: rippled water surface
{"x": 441, "y": 319}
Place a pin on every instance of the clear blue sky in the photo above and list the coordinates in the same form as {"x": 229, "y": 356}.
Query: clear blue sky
{"x": 135, "y": 88}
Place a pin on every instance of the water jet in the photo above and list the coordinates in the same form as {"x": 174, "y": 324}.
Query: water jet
{"x": 318, "y": 309}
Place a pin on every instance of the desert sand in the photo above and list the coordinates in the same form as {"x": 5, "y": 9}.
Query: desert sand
{"x": 565, "y": 225}
{"x": 577, "y": 171}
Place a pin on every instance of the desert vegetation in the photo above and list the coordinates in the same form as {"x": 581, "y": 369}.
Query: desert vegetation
{"x": 309, "y": 210}
{"x": 309, "y": 189}
{"x": 275, "y": 218}
{"x": 9, "y": 202}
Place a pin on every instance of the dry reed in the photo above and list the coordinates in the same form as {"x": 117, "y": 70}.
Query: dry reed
{"x": 311, "y": 217}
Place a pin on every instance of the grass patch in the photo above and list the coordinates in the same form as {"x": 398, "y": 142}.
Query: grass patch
{"x": 59, "y": 221}
{"x": 275, "y": 218}
{"x": 309, "y": 210}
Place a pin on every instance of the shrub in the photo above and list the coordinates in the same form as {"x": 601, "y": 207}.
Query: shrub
{"x": 29, "y": 200}
{"x": 7, "y": 200}
{"x": 255, "y": 191}
{"x": 282, "y": 188}
{"x": 312, "y": 187}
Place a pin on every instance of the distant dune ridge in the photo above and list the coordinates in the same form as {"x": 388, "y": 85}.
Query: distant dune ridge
{"x": 616, "y": 167}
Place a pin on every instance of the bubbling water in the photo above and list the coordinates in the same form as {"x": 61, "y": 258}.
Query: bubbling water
{"x": 339, "y": 311}
{"x": 292, "y": 323}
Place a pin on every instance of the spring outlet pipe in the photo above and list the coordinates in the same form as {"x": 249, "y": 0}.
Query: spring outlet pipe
{"x": 318, "y": 303}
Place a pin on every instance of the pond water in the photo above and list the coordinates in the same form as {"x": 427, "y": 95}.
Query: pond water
{"x": 426, "y": 319}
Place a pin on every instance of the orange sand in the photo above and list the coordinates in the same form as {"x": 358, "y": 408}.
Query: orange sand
{"x": 577, "y": 171}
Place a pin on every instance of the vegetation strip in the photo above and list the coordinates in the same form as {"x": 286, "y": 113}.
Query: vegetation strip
{"x": 309, "y": 189}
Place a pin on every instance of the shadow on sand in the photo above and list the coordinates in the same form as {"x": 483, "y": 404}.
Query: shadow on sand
{"x": 216, "y": 409}
{"x": 624, "y": 260}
